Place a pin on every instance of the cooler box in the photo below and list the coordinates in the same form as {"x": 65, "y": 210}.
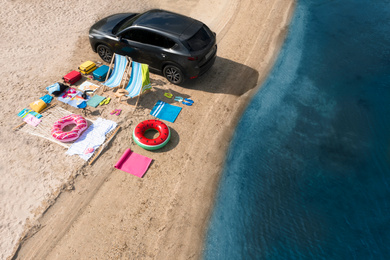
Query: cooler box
{"x": 100, "y": 73}
{"x": 72, "y": 77}
{"x": 87, "y": 67}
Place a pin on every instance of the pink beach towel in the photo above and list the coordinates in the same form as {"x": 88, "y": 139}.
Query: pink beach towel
{"x": 133, "y": 163}
{"x": 31, "y": 120}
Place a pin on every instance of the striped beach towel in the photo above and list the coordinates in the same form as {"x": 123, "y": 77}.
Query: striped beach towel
{"x": 165, "y": 111}
{"x": 26, "y": 111}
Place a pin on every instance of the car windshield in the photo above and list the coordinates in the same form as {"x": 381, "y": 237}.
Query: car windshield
{"x": 125, "y": 23}
{"x": 200, "y": 39}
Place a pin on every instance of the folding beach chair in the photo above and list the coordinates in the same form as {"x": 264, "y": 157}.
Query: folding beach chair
{"x": 118, "y": 71}
{"x": 139, "y": 83}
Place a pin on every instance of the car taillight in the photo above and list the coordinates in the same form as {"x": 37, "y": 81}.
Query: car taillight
{"x": 192, "y": 58}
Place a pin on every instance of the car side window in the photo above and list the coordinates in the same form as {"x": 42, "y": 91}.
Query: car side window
{"x": 147, "y": 37}
{"x": 161, "y": 41}
{"x": 134, "y": 35}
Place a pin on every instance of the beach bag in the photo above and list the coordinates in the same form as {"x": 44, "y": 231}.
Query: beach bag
{"x": 87, "y": 67}
{"x": 72, "y": 77}
{"x": 38, "y": 105}
{"x": 56, "y": 89}
{"x": 100, "y": 73}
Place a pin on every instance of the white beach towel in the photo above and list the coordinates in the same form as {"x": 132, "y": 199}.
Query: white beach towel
{"x": 92, "y": 138}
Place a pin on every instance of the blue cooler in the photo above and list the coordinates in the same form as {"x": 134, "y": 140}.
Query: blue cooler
{"x": 100, "y": 73}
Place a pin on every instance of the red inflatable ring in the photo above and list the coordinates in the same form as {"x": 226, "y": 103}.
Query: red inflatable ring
{"x": 151, "y": 144}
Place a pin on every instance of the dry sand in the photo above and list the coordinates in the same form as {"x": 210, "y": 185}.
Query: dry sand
{"x": 54, "y": 206}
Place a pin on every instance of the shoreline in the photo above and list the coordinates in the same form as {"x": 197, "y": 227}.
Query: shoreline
{"x": 107, "y": 213}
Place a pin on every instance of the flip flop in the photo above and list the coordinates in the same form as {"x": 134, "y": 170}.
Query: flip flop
{"x": 118, "y": 112}
{"x": 189, "y": 100}
{"x": 168, "y": 95}
{"x": 107, "y": 100}
{"x": 103, "y": 102}
{"x": 187, "y": 103}
{"x": 179, "y": 99}
{"x": 114, "y": 111}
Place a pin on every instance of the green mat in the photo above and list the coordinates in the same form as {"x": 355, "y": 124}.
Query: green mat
{"x": 95, "y": 101}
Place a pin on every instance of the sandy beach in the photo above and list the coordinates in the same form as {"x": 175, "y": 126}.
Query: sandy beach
{"x": 54, "y": 206}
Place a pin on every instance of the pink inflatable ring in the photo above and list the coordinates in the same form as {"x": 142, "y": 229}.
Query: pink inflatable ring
{"x": 59, "y": 134}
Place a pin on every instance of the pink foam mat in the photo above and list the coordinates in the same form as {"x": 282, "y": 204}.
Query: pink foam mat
{"x": 133, "y": 163}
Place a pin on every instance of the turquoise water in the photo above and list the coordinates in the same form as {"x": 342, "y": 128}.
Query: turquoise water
{"x": 307, "y": 175}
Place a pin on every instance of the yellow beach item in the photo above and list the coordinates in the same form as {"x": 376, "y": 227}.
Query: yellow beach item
{"x": 168, "y": 95}
{"x": 105, "y": 101}
{"x": 87, "y": 67}
{"x": 38, "y": 105}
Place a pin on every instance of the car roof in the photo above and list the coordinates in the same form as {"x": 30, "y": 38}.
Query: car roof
{"x": 169, "y": 22}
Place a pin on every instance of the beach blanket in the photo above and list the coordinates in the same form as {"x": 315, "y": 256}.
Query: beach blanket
{"x": 95, "y": 101}
{"x": 91, "y": 139}
{"x": 73, "y": 98}
{"x": 165, "y": 111}
{"x": 88, "y": 86}
{"x": 133, "y": 163}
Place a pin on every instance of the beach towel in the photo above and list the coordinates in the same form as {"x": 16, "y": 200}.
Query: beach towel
{"x": 56, "y": 89}
{"x": 133, "y": 163}
{"x": 95, "y": 101}
{"x": 38, "y": 105}
{"x": 88, "y": 86}
{"x": 26, "y": 111}
{"x": 91, "y": 139}
{"x": 31, "y": 120}
{"x": 47, "y": 98}
{"x": 73, "y": 98}
{"x": 165, "y": 111}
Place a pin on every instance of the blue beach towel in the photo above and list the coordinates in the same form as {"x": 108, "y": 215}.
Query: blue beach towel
{"x": 47, "y": 98}
{"x": 53, "y": 88}
{"x": 165, "y": 111}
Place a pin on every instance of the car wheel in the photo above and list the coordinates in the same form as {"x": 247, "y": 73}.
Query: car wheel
{"x": 104, "y": 52}
{"x": 173, "y": 74}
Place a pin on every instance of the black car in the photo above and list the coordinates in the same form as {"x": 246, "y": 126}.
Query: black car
{"x": 174, "y": 45}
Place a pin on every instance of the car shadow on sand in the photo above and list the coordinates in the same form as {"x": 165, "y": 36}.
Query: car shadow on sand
{"x": 225, "y": 77}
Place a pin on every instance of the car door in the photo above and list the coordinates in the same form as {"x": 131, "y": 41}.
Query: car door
{"x": 156, "y": 49}
{"x": 148, "y": 46}
{"x": 131, "y": 44}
